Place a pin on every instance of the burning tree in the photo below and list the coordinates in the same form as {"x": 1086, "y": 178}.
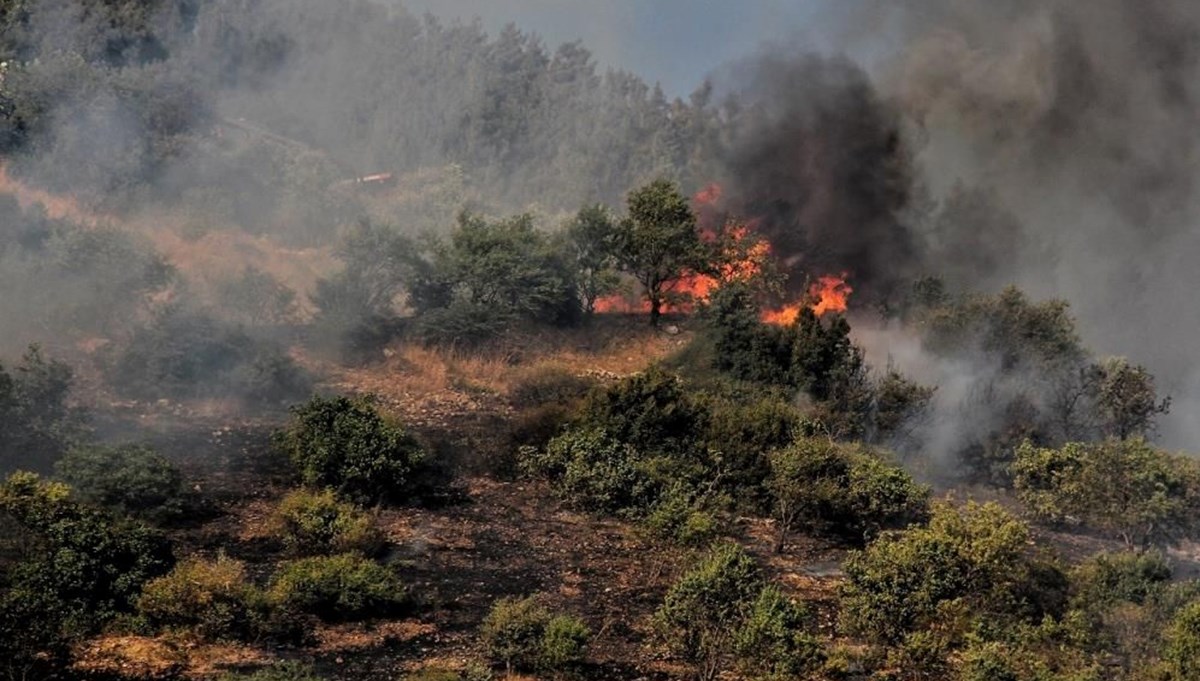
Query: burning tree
{"x": 658, "y": 243}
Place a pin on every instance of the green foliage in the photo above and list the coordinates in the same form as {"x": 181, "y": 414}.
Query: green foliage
{"x": 316, "y": 522}
{"x": 490, "y": 273}
{"x": 212, "y": 599}
{"x": 591, "y": 241}
{"x": 772, "y": 643}
{"x": 129, "y": 480}
{"x": 349, "y": 446}
{"x": 86, "y": 567}
{"x": 183, "y": 354}
{"x": 1109, "y": 578}
{"x": 522, "y": 634}
{"x": 720, "y": 609}
{"x": 658, "y": 242}
{"x": 1125, "y": 399}
{"x": 1122, "y": 487}
{"x": 338, "y": 588}
{"x": 1182, "y": 646}
{"x": 650, "y": 411}
{"x": 594, "y": 471}
{"x": 1008, "y": 326}
{"x": 827, "y": 487}
{"x": 38, "y": 424}
{"x": 975, "y": 559}
{"x": 354, "y": 306}
{"x": 742, "y": 431}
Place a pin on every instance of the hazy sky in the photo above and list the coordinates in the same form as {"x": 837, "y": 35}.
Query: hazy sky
{"x": 675, "y": 42}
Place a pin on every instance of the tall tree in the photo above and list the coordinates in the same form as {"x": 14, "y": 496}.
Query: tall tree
{"x": 658, "y": 243}
{"x": 591, "y": 241}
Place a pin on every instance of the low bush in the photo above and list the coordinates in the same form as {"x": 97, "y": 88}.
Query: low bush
{"x": 338, "y": 588}
{"x": 593, "y": 471}
{"x": 721, "y": 611}
{"x": 212, "y": 599}
{"x": 523, "y": 635}
{"x": 1182, "y": 644}
{"x": 129, "y": 480}
{"x": 347, "y": 445}
{"x": 316, "y": 523}
{"x": 975, "y": 560}
{"x": 845, "y": 490}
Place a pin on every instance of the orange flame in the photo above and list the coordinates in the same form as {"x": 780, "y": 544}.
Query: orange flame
{"x": 828, "y": 293}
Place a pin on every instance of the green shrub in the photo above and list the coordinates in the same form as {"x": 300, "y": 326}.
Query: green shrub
{"x": 841, "y": 489}
{"x": 741, "y": 433}
{"x": 338, "y": 588}
{"x": 129, "y": 479}
{"x": 347, "y": 445}
{"x": 523, "y": 635}
{"x": 183, "y": 353}
{"x": 1109, "y": 578}
{"x": 1125, "y": 488}
{"x": 680, "y": 518}
{"x": 316, "y": 522}
{"x": 1182, "y": 648}
{"x": 210, "y": 598}
{"x": 772, "y": 643}
{"x": 87, "y": 567}
{"x": 38, "y": 424}
{"x": 975, "y": 559}
{"x": 650, "y": 411}
{"x": 593, "y": 471}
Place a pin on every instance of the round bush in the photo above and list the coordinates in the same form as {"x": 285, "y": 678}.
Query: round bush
{"x": 338, "y": 588}
{"x": 316, "y": 523}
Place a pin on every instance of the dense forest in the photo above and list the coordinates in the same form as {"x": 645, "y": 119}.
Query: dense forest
{"x": 342, "y": 343}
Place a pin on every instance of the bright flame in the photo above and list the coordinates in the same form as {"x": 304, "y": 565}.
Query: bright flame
{"x": 827, "y": 293}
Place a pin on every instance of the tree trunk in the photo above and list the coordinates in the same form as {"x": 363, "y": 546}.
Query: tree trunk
{"x": 655, "y": 309}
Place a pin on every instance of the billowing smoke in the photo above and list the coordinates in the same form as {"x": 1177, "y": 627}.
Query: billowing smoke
{"x": 818, "y": 159}
{"x": 1080, "y": 117}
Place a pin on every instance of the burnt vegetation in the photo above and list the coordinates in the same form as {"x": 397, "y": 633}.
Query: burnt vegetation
{"x": 542, "y": 374}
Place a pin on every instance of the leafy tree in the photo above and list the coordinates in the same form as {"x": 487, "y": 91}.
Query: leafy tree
{"x": 591, "y": 239}
{"x": 772, "y": 643}
{"x": 1126, "y": 399}
{"x": 658, "y": 243}
{"x": 490, "y": 273}
{"x": 214, "y": 599}
{"x": 1182, "y": 649}
{"x": 348, "y": 446}
{"x": 721, "y": 611}
{"x": 974, "y": 560}
{"x": 1122, "y": 487}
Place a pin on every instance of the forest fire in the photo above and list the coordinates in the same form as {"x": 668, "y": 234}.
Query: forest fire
{"x": 744, "y": 255}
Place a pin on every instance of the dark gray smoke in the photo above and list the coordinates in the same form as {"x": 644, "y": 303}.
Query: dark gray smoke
{"x": 819, "y": 160}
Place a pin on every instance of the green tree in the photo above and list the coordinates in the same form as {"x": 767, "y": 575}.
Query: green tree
{"x": 1126, "y": 399}
{"x": 591, "y": 239}
{"x": 658, "y": 243}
